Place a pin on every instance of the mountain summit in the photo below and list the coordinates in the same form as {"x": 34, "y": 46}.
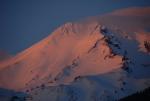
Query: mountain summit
{"x": 102, "y": 58}
{"x": 72, "y": 50}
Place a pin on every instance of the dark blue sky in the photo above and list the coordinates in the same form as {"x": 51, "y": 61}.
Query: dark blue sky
{"x": 25, "y": 22}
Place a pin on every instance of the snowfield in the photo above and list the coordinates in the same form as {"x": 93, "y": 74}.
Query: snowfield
{"x": 102, "y": 58}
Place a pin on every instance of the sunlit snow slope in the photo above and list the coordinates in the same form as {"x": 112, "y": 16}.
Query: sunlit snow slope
{"x": 101, "y": 58}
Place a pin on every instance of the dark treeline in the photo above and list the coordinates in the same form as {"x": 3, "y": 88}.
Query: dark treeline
{"x": 139, "y": 96}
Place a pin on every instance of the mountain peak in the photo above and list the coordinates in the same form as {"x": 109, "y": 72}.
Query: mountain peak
{"x": 78, "y": 28}
{"x": 88, "y": 56}
{"x": 71, "y": 50}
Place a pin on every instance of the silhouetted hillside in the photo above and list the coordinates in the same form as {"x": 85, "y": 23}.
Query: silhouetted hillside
{"x": 139, "y": 96}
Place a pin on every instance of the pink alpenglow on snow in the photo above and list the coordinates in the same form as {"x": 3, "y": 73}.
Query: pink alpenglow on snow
{"x": 68, "y": 44}
{"x": 102, "y": 58}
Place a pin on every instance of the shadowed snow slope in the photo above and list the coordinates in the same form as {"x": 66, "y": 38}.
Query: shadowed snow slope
{"x": 102, "y": 58}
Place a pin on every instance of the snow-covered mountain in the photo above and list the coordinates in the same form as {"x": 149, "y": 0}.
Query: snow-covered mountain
{"x": 101, "y": 58}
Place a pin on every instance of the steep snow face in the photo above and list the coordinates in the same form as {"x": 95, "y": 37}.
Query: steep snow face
{"x": 103, "y": 59}
{"x": 109, "y": 86}
{"x": 125, "y": 35}
{"x": 73, "y": 49}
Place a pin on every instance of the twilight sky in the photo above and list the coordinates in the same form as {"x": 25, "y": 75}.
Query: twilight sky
{"x": 25, "y": 22}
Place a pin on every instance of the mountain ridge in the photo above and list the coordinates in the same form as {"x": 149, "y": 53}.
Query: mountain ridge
{"x": 96, "y": 58}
